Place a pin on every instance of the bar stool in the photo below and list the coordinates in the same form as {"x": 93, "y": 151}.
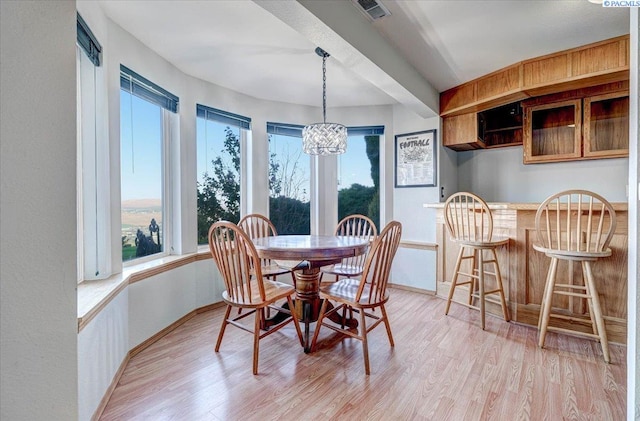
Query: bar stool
{"x": 470, "y": 225}
{"x": 575, "y": 226}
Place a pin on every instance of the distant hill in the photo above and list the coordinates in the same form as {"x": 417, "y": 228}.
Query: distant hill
{"x": 154, "y": 204}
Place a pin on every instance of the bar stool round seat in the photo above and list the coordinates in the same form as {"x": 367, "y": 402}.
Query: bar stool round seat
{"x": 470, "y": 225}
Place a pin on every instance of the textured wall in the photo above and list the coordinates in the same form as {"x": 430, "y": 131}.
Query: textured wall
{"x": 38, "y": 211}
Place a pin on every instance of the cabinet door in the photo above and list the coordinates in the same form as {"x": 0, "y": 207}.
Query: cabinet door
{"x": 606, "y": 125}
{"x": 460, "y": 132}
{"x": 553, "y": 132}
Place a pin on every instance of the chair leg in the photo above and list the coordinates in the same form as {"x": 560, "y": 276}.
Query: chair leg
{"x": 454, "y": 281}
{"x": 503, "y": 301}
{"x": 293, "y": 278}
{"x": 551, "y": 273}
{"x": 387, "y": 325}
{"x": 256, "y": 340}
{"x": 593, "y": 293}
{"x": 546, "y": 301}
{"x": 594, "y": 326}
{"x": 472, "y": 285}
{"x": 323, "y": 308}
{"x": 365, "y": 345}
{"x": 295, "y": 320}
{"x": 481, "y": 285}
{"x": 223, "y": 327}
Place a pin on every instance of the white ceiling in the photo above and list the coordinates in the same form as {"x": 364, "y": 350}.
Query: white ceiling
{"x": 265, "y": 48}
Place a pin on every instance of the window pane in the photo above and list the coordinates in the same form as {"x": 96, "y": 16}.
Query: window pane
{"x": 289, "y": 185}
{"x": 141, "y": 162}
{"x": 218, "y": 155}
{"x": 359, "y": 178}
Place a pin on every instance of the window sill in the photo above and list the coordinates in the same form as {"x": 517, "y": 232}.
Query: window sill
{"x": 93, "y": 296}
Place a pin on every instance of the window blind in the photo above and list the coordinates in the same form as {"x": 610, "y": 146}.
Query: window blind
{"x": 87, "y": 41}
{"x": 224, "y": 117}
{"x": 365, "y": 130}
{"x": 284, "y": 129}
{"x": 296, "y": 130}
{"x": 141, "y": 87}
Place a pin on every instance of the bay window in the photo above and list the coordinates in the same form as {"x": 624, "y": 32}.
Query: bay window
{"x": 144, "y": 168}
{"x": 289, "y": 180}
{"x": 359, "y": 174}
{"x": 220, "y": 139}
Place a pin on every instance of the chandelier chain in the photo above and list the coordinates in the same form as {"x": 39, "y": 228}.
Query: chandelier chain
{"x": 324, "y": 88}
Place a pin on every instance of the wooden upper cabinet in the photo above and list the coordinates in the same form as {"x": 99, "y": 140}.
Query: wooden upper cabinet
{"x": 553, "y": 132}
{"x": 499, "y": 83}
{"x": 593, "y": 64}
{"x": 590, "y": 65}
{"x": 458, "y": 97}
{"x": 606, "y": 125}
{"x": 588, "y": 123}
{"x": 495, "y": 89}
{"x": 460, "y": 132}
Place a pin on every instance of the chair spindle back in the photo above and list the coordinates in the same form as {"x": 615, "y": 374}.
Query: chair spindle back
{"x": 235, "y": 255}
{"x": 575, "y": 220}
{"x": 378, "y": 263}
{"x": 359, "y": 226}
{"x": 468, "y": 218}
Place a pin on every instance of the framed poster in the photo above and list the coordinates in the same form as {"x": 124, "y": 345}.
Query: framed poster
{"x": 416, "y": 159}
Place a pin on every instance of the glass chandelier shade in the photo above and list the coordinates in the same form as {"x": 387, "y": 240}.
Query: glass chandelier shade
{"x": 324, "y": 138}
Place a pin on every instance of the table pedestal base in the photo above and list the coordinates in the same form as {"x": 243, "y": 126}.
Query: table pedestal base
{"x": 307, "y": 305}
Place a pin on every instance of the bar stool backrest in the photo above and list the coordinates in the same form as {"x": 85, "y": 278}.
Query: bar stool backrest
{"x": 468, "y": 218}
{"x": 575, "y": 221}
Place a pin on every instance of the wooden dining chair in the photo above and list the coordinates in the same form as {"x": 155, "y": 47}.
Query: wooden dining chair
{"x": 359, "y": 226}
{"x": 235, "y": 255}
{"x": 362, "y": 297}
{"x": 574, "y": 226}
{"x": 470, "y": 224}
{"x": 259, "y": 226}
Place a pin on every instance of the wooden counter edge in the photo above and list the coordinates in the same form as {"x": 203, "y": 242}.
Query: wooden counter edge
{"x": 617, "y": 206}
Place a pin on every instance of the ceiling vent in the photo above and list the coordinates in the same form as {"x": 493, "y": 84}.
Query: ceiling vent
{"x": 373, "y": 8}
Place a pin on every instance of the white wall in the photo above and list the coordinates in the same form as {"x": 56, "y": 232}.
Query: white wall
{"x": 498, "y": 175}
{"x": 103, "y": 346}
{"x": 38, "y": 349}
{"x": 412, "y": 267}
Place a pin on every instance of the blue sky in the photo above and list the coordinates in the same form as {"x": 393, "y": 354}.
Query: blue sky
{"x": 141, "y": 151}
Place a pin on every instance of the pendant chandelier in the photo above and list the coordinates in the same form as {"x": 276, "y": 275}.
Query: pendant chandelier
{"x": 324, "y": 138}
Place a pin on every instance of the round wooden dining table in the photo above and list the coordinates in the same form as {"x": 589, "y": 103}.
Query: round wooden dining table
{"x": 305, "y": 255}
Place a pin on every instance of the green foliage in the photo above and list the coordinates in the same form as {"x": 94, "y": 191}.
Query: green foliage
{"x": 355, "y": 199}
{"x": 361, "y": 199}
{"x": 219, "y": 194}
{"x": 374, "y": 208}
{"x": 128, "y": 252}
{"x": 373, "y": 153}
{"x": 290, "y": 216}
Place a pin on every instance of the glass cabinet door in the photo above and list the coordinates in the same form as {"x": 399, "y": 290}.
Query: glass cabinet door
{"x": 553, "y": 131}
{"x": 606, "y": 125}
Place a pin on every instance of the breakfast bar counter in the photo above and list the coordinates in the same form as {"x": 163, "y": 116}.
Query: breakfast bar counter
{"x": 524, "y": 270}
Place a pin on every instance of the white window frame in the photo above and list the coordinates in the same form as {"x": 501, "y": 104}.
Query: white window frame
{"x": 135, "y": 84}
{"x": 94, "y": 224}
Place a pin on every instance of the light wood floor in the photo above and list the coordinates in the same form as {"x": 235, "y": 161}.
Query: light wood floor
{"x": 442, "y": 368}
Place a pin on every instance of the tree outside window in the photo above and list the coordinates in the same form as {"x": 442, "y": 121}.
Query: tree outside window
{"x": 218, "y": 177}
{"x": 359, "y": 178}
